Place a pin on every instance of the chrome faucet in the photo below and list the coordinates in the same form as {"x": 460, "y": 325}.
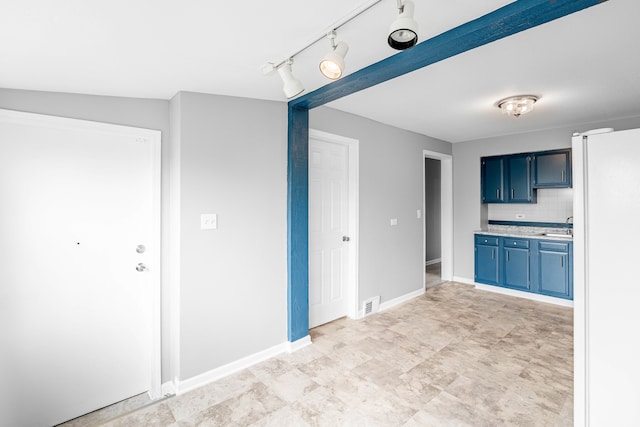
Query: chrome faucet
{"x": 569, "y": 230}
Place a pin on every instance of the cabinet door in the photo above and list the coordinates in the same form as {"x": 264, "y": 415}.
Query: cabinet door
{"x": 518, "y": 188}
{"x": 554, "y": 274}
{"x": 492, "y": 178}
{"x": 552, "y": 169}
{"x": 486, "y": 264}
{"x": 516, "y": 268}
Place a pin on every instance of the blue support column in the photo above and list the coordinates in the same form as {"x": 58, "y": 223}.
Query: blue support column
{"x": 298, "y": 224}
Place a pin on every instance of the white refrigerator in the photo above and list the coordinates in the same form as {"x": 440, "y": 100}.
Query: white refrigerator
{"x": 606, "y": 171}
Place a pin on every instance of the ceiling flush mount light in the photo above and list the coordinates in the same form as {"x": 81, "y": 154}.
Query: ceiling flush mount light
{"x": 332, "y": 65}
{"x": 517, "y": 105}
{"x": 403, "y": 32}
{"x": 292, "y": 86}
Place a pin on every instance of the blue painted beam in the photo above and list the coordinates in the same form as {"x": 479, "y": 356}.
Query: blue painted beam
{"x": 298, "y": 224}
{"x": 508, "y": 20}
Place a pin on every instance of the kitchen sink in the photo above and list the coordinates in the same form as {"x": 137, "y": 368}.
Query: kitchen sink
{"x": 565, "y": 235}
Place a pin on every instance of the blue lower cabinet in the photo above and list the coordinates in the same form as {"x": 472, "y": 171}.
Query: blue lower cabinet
{"x": 487, "y": 259}
{"x": 531, "y": 265}
{"x": 555, "y": 269}
{"x": 516, "y": 268}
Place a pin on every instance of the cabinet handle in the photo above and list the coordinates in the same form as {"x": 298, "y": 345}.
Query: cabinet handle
{"x": 507, "y": 255}
{"x": 497, "y": 193}
{"x": 492, "y": 253}
{"x": 562, "y": 175}
{"x": 562, "y": 261}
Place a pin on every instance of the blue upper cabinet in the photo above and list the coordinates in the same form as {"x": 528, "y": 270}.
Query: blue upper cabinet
{"x": 552, "y": 169}
{"x": 492, "y": 179}
{"x": 507, "y": 179}
{"x": 518, "y": 187}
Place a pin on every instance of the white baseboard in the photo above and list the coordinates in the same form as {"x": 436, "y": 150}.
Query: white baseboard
{"x": 231, "y": 368}
{"x": 396, "y": 301}
{"x": 297, "y": 345}
{"x": 433, "y": 261}
{"x": 526, "y": 295}
{"x": 463, "y": 280}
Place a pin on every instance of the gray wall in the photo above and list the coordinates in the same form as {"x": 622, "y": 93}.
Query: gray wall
{"x": 142, "y": 113}
{"x": 233, "y": 290}
{"x": 391, "y": 186}
{"x": 432, "y": 194}
{"x": 469, "y": 214}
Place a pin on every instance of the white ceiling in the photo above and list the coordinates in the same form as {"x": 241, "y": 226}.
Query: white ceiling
{"x": 585, "y": 67}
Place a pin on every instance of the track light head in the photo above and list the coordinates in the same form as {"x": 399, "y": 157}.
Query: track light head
{"x": 403, "y": 32}
{"x": 332, "y": 65}
{"x": 292, "y": 86}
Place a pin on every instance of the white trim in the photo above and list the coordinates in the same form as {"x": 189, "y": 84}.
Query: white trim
{"x": 401, "y": 299}
{"x": 446, "y": 213}
{"x": 396, "y": 301}
{"x": 297, "y": 345}
{"x": 525, "y": 295}
{"x": 580, "y": 255}
{"x": 433, "y": 261}
{"x": 230, "y": 368}
{"x": 173, "y": 293}
{"x": 155, "y": 390}
{"x": 153, "y": 137}
{"x": 463, "y": 280}
{"x": 353, "y": 146}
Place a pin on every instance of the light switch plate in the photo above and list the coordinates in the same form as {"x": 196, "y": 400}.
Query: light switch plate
{"x": 393, "y": 221}
{"x": 418, "y": 214}
{"x": 208, "y": 221}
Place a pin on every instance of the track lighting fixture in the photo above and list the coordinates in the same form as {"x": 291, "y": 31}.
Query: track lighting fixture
{"x": 292, "y": 86}
{"x": 332, "y": 65}
{"x": 403, "y": 32}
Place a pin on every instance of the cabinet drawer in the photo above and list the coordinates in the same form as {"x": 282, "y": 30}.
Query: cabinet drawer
{"x": 554, "y": 246}
{"x": 516, "y": 243}
{"x": 487, "y": 240}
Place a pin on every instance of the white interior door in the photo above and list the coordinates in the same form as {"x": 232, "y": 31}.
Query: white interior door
{"x": 328, "y": 230}
{"x": 79, "y": 331}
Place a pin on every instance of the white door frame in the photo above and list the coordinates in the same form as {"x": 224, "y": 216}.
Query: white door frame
{"x": 353, "y": 222}
{"x": 153, "y": 137}
{"x": 446, "y": 213}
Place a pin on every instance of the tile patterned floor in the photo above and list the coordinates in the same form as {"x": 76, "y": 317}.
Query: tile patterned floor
{"x": 456, "y": 356}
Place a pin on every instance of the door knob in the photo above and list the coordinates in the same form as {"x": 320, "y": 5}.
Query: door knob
{"x": 141, "y": 248}
{"x": 141, "y": 267}
{"x": 345, "y": 238}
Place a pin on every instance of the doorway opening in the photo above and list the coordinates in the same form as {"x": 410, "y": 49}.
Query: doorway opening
{"x": 437, "y": 218}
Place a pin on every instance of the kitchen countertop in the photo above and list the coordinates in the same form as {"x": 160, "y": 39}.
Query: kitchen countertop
{"x": 526, "y": 234}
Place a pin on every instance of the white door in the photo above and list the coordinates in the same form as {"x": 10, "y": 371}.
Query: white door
{"x": 328, "y": 230}
{"x": 79, "y": 218}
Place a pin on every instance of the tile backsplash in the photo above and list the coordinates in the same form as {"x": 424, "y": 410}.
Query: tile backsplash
{"x": 554, "y": 205}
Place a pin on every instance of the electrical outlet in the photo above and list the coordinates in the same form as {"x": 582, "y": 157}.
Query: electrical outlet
{"x": 208, "y": 221}
{"x": 519, "y": 216}
{"x": 393, "y": 221}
